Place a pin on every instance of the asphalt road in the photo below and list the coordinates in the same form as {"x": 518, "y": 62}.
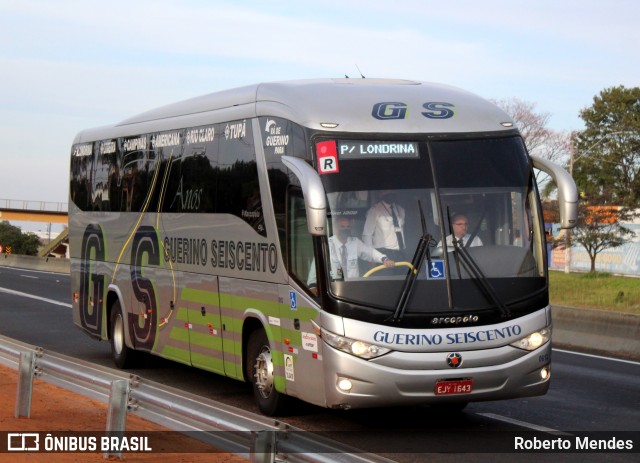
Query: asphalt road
{"x": 588, "y": 393}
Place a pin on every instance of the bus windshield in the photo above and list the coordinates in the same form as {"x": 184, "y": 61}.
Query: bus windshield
{"x": 474, "y": 201}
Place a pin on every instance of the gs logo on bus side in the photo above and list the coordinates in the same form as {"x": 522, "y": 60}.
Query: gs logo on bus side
{"x": 145, "y": 243}
{"x": 92, "y": 283}
{"x": 398, "y": 110}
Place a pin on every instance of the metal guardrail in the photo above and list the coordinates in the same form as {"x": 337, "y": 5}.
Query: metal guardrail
{"x": 255, "y": 437}
{"x": 26, "y": 205}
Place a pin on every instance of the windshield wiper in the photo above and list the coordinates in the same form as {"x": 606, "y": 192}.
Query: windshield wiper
{"x": 479, "y": 277}
{"x": 422, "y": 250}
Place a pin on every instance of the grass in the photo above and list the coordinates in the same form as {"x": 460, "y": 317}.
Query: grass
{"x": 595, "y": 291}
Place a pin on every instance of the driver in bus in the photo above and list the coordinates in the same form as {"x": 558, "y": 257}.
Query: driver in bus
{"x": 345, "y": 250}
{"x": 384, "y": 227}
{"x": 459, "y": 225}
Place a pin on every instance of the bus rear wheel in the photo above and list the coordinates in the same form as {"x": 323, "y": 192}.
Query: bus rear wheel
{"x": 123, "y": 356}
{"x": 261, "y": 373}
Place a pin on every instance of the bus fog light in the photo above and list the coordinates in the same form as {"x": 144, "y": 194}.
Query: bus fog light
{"x": 344, "y": 384}
{"x": 545, "y": 373}
{"x": 534, "y": 340}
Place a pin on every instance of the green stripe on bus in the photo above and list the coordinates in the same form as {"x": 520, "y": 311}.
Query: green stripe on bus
{"x": 200, "y": 296}
{"x": 206, "y": 362}
{"x": 241, "y": 303}
{"x": 180, "y": 334}
{"x": 206, "y": 340}
{"x": 267, "y": 307}
{"x": 176, "y": 353}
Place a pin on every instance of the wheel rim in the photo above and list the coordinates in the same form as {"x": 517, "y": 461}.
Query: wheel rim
{"x": 118, "y": 334}
{"x": 264, "y": 372}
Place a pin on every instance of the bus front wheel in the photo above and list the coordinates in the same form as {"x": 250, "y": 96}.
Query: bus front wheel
{"x": 123, "y": 356}
{"x": 261, "y": 373}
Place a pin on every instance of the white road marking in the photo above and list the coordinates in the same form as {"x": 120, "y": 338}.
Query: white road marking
{"x": 31, "y": 296}
{"x": 596, "y": 356}
{"x": 523, "y": 424}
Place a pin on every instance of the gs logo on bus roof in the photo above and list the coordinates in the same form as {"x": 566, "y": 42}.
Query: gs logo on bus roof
{"x": 397, "y": 110}
{"x": 384, "y": 111}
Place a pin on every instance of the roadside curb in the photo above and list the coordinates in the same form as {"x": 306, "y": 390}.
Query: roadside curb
{"x": 44, "y": 264}
{"x": 614, "y": 334}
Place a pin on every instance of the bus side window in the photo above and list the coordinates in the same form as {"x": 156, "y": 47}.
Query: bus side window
{"x": 299, "y": 241}
{"x": 238, "y": 186}
{"x": 81, "y": 166}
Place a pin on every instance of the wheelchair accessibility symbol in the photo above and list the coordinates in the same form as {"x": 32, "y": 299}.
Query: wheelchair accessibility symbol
{"x": 435, "y": 270}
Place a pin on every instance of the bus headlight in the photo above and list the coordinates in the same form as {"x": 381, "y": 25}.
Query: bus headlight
{"x": 534, "y": 340}
{"x": 353, "y": 346}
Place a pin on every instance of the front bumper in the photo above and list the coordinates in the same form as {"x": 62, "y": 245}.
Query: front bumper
{"x": 402, "y": 378}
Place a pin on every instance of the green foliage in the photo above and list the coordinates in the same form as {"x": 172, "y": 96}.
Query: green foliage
{"x": 20, "y": 243}
{"x": 607, "y": 152}
{"x": 600, "y": 228}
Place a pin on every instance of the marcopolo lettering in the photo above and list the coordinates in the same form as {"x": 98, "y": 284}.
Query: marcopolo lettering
{"x": 455, "y": 320}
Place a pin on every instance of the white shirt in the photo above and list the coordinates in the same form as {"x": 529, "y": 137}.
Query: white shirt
{"x": 465, "y": 239}
{"x": 379, "y": 230}
{"x": 354, "y": 248}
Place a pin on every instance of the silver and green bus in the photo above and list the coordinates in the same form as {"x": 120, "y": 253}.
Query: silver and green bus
{"x": 203, "y": 232}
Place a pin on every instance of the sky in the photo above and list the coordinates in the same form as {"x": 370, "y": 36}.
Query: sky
{"x": 67, "y": 65}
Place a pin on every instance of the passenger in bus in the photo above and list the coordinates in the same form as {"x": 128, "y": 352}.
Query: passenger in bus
{"x": 384, "y": 227}
{"x": 345, "y": 250}
{"x": 459, "y": 225}
{"x": 517, "y": 238}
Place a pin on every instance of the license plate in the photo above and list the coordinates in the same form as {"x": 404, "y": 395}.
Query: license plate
{"x": 458, "y": 386}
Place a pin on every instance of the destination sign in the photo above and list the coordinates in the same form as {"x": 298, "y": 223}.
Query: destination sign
{"x": 377, "y": 149}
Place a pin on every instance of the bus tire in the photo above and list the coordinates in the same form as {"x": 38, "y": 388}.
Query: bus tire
{"x": 261, "y": 374}
{"x": 123, "y": 356}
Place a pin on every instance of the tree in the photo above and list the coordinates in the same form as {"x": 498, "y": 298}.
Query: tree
{"x": 600, "y": 228}
{"x": 607, "y": 152}
{"x": 540, "y": 140}
{"x": 20, "y": 243}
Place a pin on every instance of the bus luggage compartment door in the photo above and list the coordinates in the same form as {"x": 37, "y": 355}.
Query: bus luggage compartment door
{"x": 204, "y": 324}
